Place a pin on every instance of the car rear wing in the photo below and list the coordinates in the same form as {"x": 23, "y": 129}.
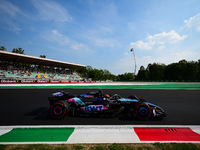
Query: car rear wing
{"x": 58, "y": 96}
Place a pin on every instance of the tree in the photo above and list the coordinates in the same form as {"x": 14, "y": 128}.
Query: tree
{"x": 2, "y": 48}
{"x": 142, "y": 74}
{"x": 191, "y": 72}
{"x": 173, "y": 72}
{"x": 106, "y": 74}
{"x": 183, "y": 70}
{"x": 95, "y": 74}
{"x": 125, "y": 77}
{"x": 156, "y": 71}
{"x": 42, "y": 56}
{"x": 18, "y": 50}
{"x": 82, "y": 71}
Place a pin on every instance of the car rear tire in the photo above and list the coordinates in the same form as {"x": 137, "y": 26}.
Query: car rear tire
{"x": 142, "y": 111}
{"x": 59, "y": 109}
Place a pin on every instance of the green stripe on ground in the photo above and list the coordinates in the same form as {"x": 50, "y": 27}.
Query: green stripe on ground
{"x": 37, "y": 135}
{"x": 149, "y": 86}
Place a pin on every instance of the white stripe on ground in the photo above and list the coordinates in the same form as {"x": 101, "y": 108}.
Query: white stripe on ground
{"x": 4, "y": 130}
{"x": 196, "y": 129}
{"x": 80, "y": 84}
{"x": 103, "y": 135}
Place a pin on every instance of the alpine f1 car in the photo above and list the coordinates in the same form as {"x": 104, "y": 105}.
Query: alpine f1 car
{"x": 97, "y": 104}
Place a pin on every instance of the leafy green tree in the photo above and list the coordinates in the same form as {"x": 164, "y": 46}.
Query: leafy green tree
{"x": 156, "y": 71}
{"x": 106, "y": 74}
{"x": 95, "y": 74}
{"x": 2, "y": 48}
{"x": 82, "y": 71}
{"x": 142, "y": 74}
{"x": 18, "y": 50}
{"x": 42, "y": 56}
{"x": 172, "y": 72}
{"x": 191, "y": 72}
{"x": 125, "y": 77}
{"x": 183, "y": 70}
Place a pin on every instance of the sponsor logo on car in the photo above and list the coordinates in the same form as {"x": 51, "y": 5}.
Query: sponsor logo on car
{"x": 94, "y": 108}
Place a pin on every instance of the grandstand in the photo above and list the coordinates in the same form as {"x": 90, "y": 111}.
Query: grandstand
{"x": 24, "y": 68}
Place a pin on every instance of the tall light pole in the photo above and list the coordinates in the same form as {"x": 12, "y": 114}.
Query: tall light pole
{"x": 132, "y": 50}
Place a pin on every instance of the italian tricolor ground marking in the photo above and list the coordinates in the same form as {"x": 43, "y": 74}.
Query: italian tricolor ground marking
{"x": 98, "y": 134}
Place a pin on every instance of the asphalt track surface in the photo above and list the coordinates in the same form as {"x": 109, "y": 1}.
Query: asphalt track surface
{"x": 31, "y": 107}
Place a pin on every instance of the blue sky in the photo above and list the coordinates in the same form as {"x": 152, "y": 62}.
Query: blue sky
{"x": 100, "y": 33}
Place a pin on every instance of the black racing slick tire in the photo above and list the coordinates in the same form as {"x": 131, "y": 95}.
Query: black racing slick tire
{"x": 59, "y": 109}
{"x": 143, "y": 111}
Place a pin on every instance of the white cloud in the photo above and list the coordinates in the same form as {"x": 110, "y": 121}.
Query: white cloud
{"x": 100, "y": 36}
{"x": 9, "y": 9}
{"x": 55, "y": 32}
{"x": 80, "y": 47}
{"x": 77, "y": 46}
{"x": 147, "y": 57}
{"x": 193, "y": 22}
{"x": 50, "y": 10}
{"x": 143, "y": 45}
{"x": 166, "y": 37}
{"x": 161, "y": 47}
{"x": 9, "y": 14}
{"x": 10, "y": 25}
{"x": 159, "y": 40}
{"x": 55, "y": 36}
{"x": 104, "y": 42}
{"x": 184, "y": 55}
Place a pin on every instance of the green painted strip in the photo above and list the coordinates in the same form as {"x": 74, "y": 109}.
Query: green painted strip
{"x": 153, "y": 86}
{"x": 37, "y": 135}
{"x": 150, "y": 86}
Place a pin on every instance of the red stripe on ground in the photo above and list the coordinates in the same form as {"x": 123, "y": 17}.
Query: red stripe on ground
{"x": 166, "y": 134}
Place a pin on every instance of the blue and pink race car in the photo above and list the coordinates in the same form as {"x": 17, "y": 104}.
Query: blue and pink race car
{"x": 100, "y": 105}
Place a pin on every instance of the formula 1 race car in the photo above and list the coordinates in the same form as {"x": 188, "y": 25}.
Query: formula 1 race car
{"x": 97, "y": 104}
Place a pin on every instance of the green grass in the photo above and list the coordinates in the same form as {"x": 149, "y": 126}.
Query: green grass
{"x": 177, "y": 146}
{"x": 99, "y": 147}
{"x": 61, "y": 148}
{"x": 2, "y": 147}
{"x": 154, "y": 146}
{"x": 78, "y": 147}
{"x": 116, "y": 147}
{"x": 144, "y": 148}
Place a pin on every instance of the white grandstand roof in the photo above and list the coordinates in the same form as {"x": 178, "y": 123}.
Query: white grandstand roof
{"x": 22, "y": 58}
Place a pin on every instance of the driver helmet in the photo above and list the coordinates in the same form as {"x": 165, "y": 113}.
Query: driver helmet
{"x": 106, "y": 96}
